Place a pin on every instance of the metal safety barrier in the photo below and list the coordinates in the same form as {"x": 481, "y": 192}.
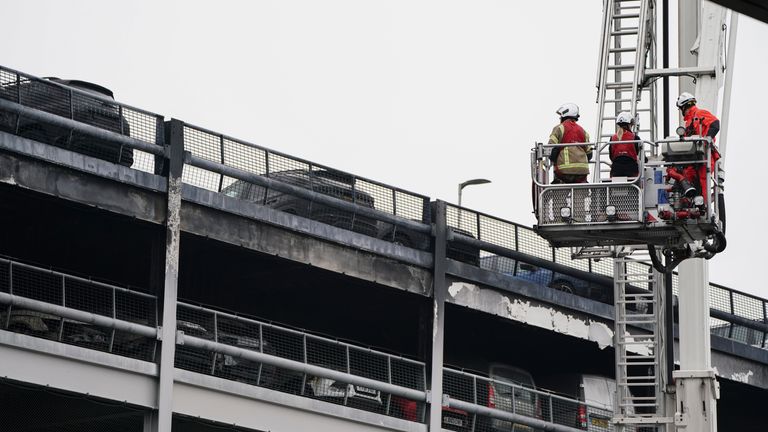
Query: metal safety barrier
{"x": 483, "y": 404}
{"x": 77, "y": 311}
{"x": 247, "y": 171}
{"x": 48, "y": 111}
{"x": 81, "y": 119}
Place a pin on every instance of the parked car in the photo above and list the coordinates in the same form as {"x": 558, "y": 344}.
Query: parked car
{"x": 597, "y": 393}
{"x": 46, "y": 95}
{"x": 409, "y": 238}
{"x": 551, "y": 279}
{"x": 510, "y": 389}
{"x": 194, "y": 359}
{"x": 507, "y": 388}
{"x": 328, "y": 182}
{"x": 239, "y": 369}
{"x": 543, "y": 276}
{"x": 48, "y": 326}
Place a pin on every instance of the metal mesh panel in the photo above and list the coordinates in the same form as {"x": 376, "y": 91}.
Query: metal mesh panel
{"x": 518, "y": 398}
{"x": 603, "y": 267}
{"x": 748, "y": 306}
{"x": 719, "y": 298}
{"x": 100, "y": 112}
{"x": 530, "y": 243}
{"x": 291, "y": 344}
{"x": 587, "y": 204}
{"x": 307, "y": 175}
{"x": 563, "y": 256}
{"x": 83, "y": 295}
{"x": 200, "y": 323}
{"x": 28, "y": 407}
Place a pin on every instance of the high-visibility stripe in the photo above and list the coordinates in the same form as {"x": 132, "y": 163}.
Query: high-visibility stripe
{"x": 573, "y": 165}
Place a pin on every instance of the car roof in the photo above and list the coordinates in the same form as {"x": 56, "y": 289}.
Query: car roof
{"x": 84, "y": 85}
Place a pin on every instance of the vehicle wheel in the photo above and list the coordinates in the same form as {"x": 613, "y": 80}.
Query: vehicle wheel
{"x": 20, "y": 328}
{"x": 563, "y": 286}
{"x": 402, "y": 240}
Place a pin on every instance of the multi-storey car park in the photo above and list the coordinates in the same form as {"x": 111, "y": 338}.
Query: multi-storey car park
{"x": 215, "y": 284}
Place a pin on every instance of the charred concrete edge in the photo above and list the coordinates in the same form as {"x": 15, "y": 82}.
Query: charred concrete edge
{"x": 505, "y": 284}
{"x": 531, "y": 311}
{"x": 739, "y": 369}
{"x": 534, "y": 291}
{"x": 85, "y": 355}
{"x": 246, "y": 391}
{"x": 270, "y": 240}
{"x": 81, "y": 162}
{"x": 303, "y": 225}
{"x": 70, "y": 185}
{"x": 597, "y": 279}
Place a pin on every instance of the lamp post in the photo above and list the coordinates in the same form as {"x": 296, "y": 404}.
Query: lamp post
{"x": 462, "y": 185}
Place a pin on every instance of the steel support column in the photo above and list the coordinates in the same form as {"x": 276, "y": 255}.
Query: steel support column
{"x": 162, "y": 420}
{"x": 439, "y": 293}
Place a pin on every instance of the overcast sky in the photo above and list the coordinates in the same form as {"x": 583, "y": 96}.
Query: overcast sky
{"x": 418, "y": 94}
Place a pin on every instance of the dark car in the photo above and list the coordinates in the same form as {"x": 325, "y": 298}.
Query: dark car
{"x": 89, "y": 104}
{"x": 45, "y": 325}
{"x": 455, "y": 250}
{"x": 325, "y": 181}
{"x": 506, "y": 388}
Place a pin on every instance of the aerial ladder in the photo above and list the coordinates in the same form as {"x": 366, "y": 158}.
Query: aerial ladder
{"x": 652, "y": 223}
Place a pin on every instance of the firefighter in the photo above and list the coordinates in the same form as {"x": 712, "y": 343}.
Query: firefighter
{"x": 703, "y": 123}
{"x": 624, "y": 155}
{"x": 572, "y": 162}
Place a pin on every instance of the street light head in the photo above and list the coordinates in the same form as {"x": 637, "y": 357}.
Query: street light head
{"x": 474, "y": 182}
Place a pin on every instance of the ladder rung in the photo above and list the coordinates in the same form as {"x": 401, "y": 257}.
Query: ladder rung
{"x": 617, "y": 100}
{"x": 637, "y": 385}
{"x": 638, "y": 364}
{"x": 621, "y": 50}
{"x": 624, "y": 16}
{"x": 624, "y": 32}
{"x": 621, "y": 67}
{"x": 618, "y": 85}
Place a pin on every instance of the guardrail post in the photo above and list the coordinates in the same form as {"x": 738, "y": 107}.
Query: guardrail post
{"x": 439, "y": 290}
{"x": 162, "y": 421}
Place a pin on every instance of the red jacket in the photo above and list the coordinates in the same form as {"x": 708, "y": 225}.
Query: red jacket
{"x": 629, "y": 150}
{"x": 702, "y": 122}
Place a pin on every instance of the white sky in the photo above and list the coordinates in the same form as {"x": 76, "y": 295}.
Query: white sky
{"x": 414, "y": 93}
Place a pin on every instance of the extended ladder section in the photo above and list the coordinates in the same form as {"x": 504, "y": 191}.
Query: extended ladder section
{"x": 627, "y": 49}
{"x": 638, "y": 343}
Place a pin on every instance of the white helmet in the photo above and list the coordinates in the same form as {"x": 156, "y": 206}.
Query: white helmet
{"x": 568, "y": 110}
{"x": 625, "y": 117}
{"x": 684, "y": 99}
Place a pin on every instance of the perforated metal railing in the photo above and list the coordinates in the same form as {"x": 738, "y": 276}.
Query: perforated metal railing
{"x": 51, "y": 287}
{"x": 519, "y": 238}
{"x": 102, "y": 112}
{"x": 46, "y": 287}
{"x": 308, "y": 175}
{"x": 511, "y": 396}
{"x": 250, "y": 334}
{"x": 83, "y": 105}
{"x": 587, "y": 204}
